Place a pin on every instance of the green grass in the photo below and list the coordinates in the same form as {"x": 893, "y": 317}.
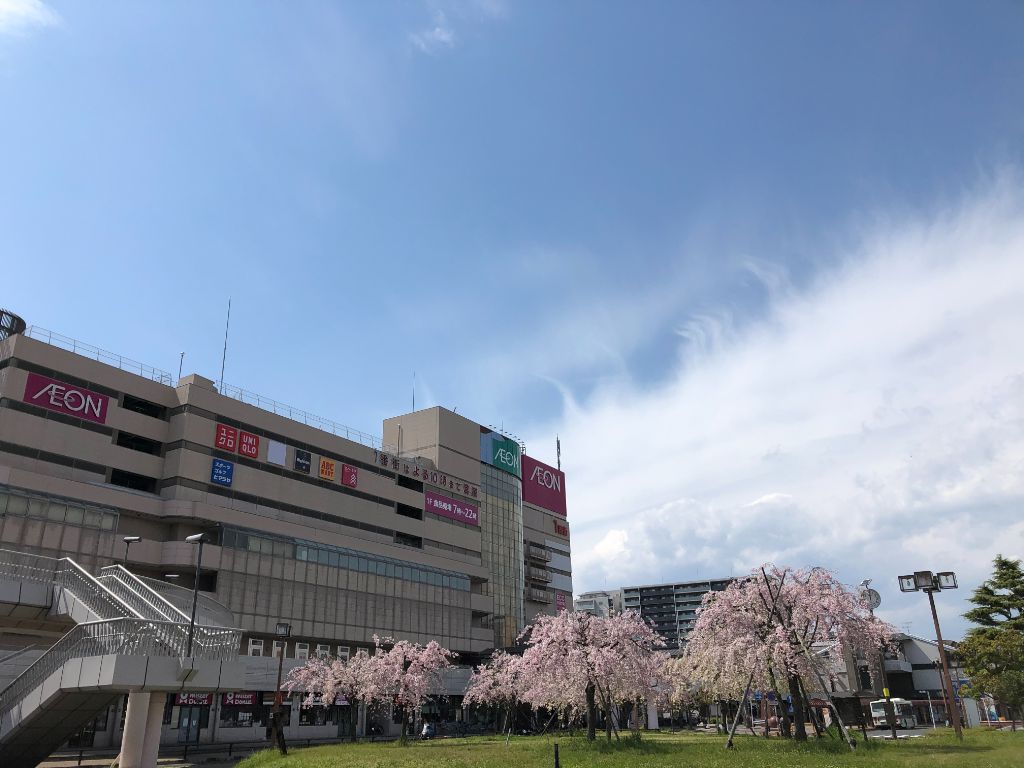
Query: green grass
{"x": 982, "y": 749}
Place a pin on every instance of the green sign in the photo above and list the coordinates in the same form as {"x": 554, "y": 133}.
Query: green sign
{"x": 501, "y": 453}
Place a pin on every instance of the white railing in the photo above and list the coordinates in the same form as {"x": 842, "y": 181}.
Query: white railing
{"x": 297, "y": 414}
{"x": 102, "y": 355}
{"x": 125, "y": 637}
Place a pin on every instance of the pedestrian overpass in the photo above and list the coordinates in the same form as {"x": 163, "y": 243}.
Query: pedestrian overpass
{"x": 127, "y": 635}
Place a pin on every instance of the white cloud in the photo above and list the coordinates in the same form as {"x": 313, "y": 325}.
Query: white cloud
{"x": 20, "y": 16}
{"x": 439, "y": 34}
{"x": 872, "y": 423}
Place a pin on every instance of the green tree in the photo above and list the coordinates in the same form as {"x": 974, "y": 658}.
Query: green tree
{"x": 992, "y": 654}
{"x": 999, "y": 602}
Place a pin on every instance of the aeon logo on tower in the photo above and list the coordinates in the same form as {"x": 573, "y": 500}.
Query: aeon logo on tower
{"x": 65, "y": 398}
{"x": 543, "y": 485}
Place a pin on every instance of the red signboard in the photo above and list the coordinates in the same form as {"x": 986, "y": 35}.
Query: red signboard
{"x": 543, "y": 485}
{"x": 239, "y": 699}
{"x": 226, "y": 438}
{"x": 462, "y": 511}
{"x": 66, "y": 398}
{"x": 560, "y": 529}
{"x": 193, "y": 699}
{"x": 349, "y": 476}
{"x": 249, "y": 445}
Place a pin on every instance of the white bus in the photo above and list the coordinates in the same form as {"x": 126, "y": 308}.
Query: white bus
{"x": 904, "y": 710}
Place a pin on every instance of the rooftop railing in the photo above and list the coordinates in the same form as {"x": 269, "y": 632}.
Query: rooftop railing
{"x": 95, "y": 353}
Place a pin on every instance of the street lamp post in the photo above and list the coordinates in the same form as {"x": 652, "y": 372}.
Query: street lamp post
{"x": 128, "y": 541}
{"x": 930, "y": 583}
{"x": 931, "y": 712}
{"x": 199, "y": 538}
{"x": 283, "y": 630}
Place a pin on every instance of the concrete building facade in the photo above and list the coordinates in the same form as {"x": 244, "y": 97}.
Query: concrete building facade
{"x": 420, "y": 535}
{"x": 671, "y": 608}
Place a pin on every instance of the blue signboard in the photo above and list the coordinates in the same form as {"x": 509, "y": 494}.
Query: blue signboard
{"x": 222, "y": 472}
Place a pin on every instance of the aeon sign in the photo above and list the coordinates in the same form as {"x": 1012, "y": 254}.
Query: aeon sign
{"x": 65, "y": 398}
{"x": 543, "y": 485}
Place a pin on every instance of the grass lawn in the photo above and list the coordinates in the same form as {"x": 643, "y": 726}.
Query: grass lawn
{"x": 980, "y": 748}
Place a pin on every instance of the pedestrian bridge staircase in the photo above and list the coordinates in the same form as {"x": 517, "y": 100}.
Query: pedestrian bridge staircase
{"x": 129, "y": 634}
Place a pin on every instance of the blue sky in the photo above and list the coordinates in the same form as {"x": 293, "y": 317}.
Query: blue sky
{"x": 687, "y": 237}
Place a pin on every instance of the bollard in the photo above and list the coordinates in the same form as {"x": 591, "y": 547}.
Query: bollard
{"x": 557, "y": 765}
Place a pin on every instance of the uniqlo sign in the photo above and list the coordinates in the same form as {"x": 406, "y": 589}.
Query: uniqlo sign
{"x": 226, "y": 438}
{"x": 65, "y": 398}
{"x": 349, "y": 476}
{"x": 249, "y": 445}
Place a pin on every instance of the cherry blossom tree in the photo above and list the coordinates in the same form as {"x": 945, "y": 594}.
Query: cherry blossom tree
{"x": 407, "y": 673}
{"x": 329, "y": 678}
{"x": 761, "y": 629}
{"x": 573, "y": 659}
{"x": 498, "y": 683}
{"x": 399, "y": 672}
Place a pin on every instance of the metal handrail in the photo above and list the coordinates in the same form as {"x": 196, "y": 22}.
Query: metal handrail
{"x": 209, "y": 611}
{"x": 125, "y": 637}
{"x": 103, "y": 356}
{"x": 143, "y": 595}
{"x": 307, "y": 418}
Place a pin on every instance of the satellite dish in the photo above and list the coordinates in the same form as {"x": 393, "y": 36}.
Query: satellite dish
{"x": 874, "y": 599}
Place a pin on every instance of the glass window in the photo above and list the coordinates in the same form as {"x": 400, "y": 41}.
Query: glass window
{"x": 301, "y": 552}
{"x": 255, "y": 647}
{"x": 342, "y": 651}
{"x": 323, "y": 651}
{"x": 280, "y": 647}
{"x": 302, "y": 651}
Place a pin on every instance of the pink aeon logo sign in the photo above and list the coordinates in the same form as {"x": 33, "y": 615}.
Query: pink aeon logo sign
{"x": 543, "y": 485}
{"x": 65, "y": 398}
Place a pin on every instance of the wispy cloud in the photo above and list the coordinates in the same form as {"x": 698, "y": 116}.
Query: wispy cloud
{"x": 21, "y": 16}
{"x": 873, "y": 423}
{"x": 436, "y": 36}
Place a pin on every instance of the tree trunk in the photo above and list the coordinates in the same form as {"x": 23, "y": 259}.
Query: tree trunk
{"x": 353, "y": 716}
{"x": 608, "y": 718}
{"x": 591, "y": 713}
{"x": 799, "y": 729}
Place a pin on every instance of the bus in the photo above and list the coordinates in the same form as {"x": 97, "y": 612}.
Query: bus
{"x": 904, "y": 710}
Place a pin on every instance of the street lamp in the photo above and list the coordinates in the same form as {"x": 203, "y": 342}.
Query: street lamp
{"x": 128, "y": 541}
{"x": 931, "y": 712}
{"x": 199, "y": 538}
{"x": 282, "y": 631}
{"x": 930, "y": 583}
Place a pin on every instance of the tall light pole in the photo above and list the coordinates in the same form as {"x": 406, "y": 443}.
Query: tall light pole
{"x": 128, "y": 541}
{"x": 199, "y": 538}
{"x": 283, "y": 630}
{"x": 930, "y": 583}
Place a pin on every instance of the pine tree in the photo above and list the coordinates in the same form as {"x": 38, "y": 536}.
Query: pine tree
{"x": 999, "y": 601}
{"x": 993, "y": 652}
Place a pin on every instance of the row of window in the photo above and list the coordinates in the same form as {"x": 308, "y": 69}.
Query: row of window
{"x": 16, "y": 504}
{"x": 339, "y": 557}
{"x": 260, "y": 647}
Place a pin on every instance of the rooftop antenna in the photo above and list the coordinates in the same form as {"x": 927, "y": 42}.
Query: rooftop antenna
{"x": 181, "y": 362}
{"x": 224, "y": 356}
{"x": 558, "y": 451}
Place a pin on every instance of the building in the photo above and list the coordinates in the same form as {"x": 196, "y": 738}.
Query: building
{"x": 671, "y": 608}
{"x": 441, "y": 530}
{"x": 599, "y": 603}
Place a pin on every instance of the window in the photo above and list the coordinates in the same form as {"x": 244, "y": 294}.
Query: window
{"x": 144, "y": 407}
{"x": 323, "y": 651}
{"x": 255, "y": 647}
{"x": 408, "y": 482}
{"x": 343, "y": 652}
{"x": 133, "y": 481}
{"x": 302, "y": 650}
{"x": 281, "y": 646}
{"x": 137, "y": 443}
{"x": 406, "y": 511}
{"x": 408, "y": 540}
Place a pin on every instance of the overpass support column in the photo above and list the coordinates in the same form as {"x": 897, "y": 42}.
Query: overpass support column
{"x": 134, "y": 730}
{"x": 154, "y": 724}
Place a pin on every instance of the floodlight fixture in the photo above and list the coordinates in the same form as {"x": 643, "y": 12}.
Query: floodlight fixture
{"x": 946, "y": 580}
{"x": 924, "y": 580}
{"x": 907, "y": 583}
{"x": 283, "y": 629}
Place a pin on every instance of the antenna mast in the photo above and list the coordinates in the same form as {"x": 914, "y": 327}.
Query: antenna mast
{"x": 224, "y": 356}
